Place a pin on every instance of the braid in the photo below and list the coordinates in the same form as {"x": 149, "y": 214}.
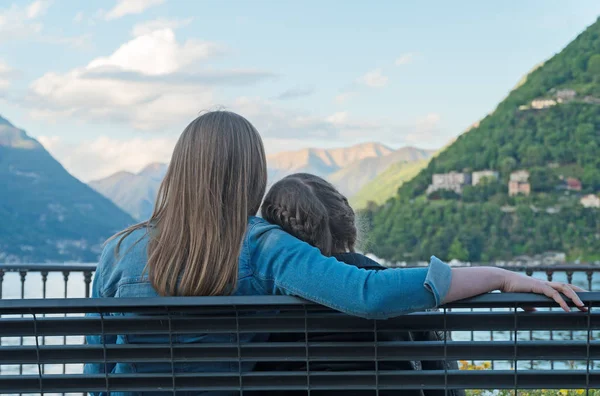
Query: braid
{"x": 300, "y": 215}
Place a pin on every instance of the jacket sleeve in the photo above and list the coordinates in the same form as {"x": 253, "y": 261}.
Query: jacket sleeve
{"x": 286, "y": 265}
{"x": 97, "y": 284}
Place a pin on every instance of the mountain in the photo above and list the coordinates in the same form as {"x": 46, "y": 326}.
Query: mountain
{"x": 548, "y": 125}
{"x": 351, "y": 178}
{"x": 134, "y": 193}
{"x": 47, "y": 214}
{"x": 385, "y": 185}
{"x": 349, "y": 168}
{"x": 321, "y": 162}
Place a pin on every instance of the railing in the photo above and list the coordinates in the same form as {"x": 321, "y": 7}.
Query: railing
{"x": 56, "y": 280}
{"x": 226, "y": 363}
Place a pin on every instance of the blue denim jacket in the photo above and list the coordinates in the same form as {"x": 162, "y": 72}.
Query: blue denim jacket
{"x": 272, "y": 262}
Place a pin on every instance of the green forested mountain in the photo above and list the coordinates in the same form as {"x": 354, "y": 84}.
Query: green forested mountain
{"x": 47, "y": 214}
{"x": 548, "y": 125}
{"x": 385, "y": 185}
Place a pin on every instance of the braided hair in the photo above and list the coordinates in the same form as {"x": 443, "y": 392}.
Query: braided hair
{"x": 311, "y": 209}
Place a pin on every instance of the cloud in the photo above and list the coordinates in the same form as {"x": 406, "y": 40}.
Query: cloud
{"x": 294, "y": 93}
{"x": 405, "y": 59}
{"x": 20, "y": 22}
{"x": 5, "y": 73}
{"x": 100, "y": 157}
{"x": 127, "y": 7}
{"x": 78, "y": 18}
{"x": 374, "y": 79}
{"x": 426, "y": 130}
{"x": 37, "y": 8}
{"x": 147, "y": 27}
{"x": 146, "y": 83}
{"x": 344, "y": 97}
{"x": 83, "y": 41}
{"x": 156, "y": 53}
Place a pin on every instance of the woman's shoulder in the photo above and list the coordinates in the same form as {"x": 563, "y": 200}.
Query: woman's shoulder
{"x": 126, "y": 251}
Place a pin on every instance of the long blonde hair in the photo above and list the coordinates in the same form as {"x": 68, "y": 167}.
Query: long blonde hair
{"x": 216, "y": 179}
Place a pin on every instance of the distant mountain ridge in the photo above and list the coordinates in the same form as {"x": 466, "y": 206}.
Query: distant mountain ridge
{"x": 47, "y": 214}
{"x": 322, "y": 162}
{"x": 348, "y": 168}
{"x": 135, "y": 193}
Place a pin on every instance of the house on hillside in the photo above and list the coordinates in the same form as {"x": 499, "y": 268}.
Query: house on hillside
{"x": 542, "y": 103}
{"x": 565, "y": 95}
{"x": 519, "y": 183}
{"x": 477, "y": 177}
{"x": 573, "y": 184}
{"x": 569, "y": 184}
{"x": 453, "y": 181}
{"x": 590, "y": 201}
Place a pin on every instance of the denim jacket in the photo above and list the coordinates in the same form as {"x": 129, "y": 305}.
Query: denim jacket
{"x": 271, "y": 262}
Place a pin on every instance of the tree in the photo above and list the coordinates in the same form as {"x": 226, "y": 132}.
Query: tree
{"x": 593, "y": 65}
{"x": 457, "y": 251}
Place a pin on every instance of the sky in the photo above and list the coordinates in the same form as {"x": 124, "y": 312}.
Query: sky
{"x": 108, "y": 85}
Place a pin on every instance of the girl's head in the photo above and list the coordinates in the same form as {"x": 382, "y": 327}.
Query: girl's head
{"x": 312, "y": 210}
{"x": 216, "y": 179}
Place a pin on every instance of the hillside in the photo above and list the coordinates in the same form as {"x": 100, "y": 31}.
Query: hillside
{"x": 134, "y": 193}
{"x": 549, "y": 126}
{"x": 47, "y": 214}
{"x": 350, "y": 179}
{"x": 386, "y": 184}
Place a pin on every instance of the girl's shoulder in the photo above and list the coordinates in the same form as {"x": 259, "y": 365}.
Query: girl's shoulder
{"x": 359, "y": 260}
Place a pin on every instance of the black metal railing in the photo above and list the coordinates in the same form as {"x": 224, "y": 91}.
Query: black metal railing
{"x": 226, "y": 363}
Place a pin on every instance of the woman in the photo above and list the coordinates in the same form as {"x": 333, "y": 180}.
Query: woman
{"x": 203, "y": 240}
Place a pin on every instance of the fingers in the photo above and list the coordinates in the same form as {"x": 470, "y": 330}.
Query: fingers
{"x": 551, "y": 292}
{"x": 568, "y": 291}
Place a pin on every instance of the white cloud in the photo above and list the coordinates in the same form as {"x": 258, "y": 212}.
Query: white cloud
{"x": 103, "y": 156}
{"x": 144, "y": 83}
{"x": 344, "y": 97}
{"x": 5, "y": 74}
{"x": 427, "y": 131}
{"x": 294, "y": 93}
{"x": 78, "y": 17}
{"x": 156, "y": 53}
{"x": 147, "y": 27}
{"x": 20, "y": 22}
{"x": 37, "y": 8}
{"x": 127, "y": 7}
{"x": 338, "y": 118}
{"x": 374, "y": 79}
{"x": 405, "y": 59}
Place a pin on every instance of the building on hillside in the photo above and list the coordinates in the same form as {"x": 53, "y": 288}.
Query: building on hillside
{"x": 590, "y": 201}
{"x": 453, "y": 181}
{"x": 573, "y": 184}
{"x": 541, "y": 103}
{"x": 519, "y": 183}
{"x": 477, "y": 177}
{"x": 521, "y": 176}
{"x": 565, "y": 95}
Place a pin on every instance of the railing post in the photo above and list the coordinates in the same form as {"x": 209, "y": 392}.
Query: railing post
{"x": 87, "y": 279}
{"x": 23, "y": 275}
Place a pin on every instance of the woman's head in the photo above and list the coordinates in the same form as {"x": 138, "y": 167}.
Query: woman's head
{"x": 216, "y": 179}
{"x": 312, "y": 210}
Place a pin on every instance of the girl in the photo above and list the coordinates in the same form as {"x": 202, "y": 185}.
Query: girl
{"x": 203, "y": 239}
{"x": 311, "y": 209}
